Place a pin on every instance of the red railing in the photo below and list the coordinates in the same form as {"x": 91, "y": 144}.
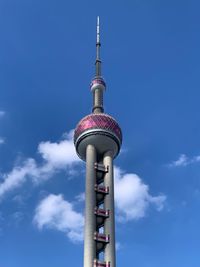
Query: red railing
{"x": 101, "y": 264}
{"x": 102, "y": 189}
{"x": 101, "y": 237}
{"x": 101, "y": 212}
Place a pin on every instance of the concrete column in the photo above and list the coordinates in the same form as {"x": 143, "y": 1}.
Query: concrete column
{"x": 98, "y": 101}
{"x": 90, "y": 203}
{"x": 109, "y": 204}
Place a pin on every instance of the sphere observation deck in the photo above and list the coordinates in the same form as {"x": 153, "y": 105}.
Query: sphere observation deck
{"x": 97, "y": 83}
{"x": 100, "y": 130}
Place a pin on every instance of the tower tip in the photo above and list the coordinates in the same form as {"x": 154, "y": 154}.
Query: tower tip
{"x": 98, "y": 30}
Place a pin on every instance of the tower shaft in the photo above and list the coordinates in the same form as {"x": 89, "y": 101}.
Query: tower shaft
{"x": 90, "y": 203}
{"x": 98, "y": 101}
{"x": 109, "y": 205}
{"x": 97, "y": 139}
{"x": 99, "y": 242}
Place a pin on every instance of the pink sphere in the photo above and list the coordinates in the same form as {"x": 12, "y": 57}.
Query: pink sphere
{"x": 99, "y": 128}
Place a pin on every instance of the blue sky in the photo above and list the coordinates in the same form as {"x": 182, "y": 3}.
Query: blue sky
{"x": 150, "y": 52}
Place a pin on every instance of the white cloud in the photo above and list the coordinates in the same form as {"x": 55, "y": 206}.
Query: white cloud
{"x": 132, "y": 200}
{"x": 2, "y": 140}
{"x": 118, "y": 246}
{"x": 2, "y": 113}
{"x": 18, "y": 176}
{"x": 184, "y": 160}
{"x": 58, "y": 155}
{"x": 132, "y": 196}
{"x": 54, "y": 212}
{"x": 80, "y": 197}
{"x": 55, "y": 157}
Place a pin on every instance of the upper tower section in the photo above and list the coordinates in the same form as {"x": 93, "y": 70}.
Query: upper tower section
{"x": 98, "y": 84}
{"x": 98, "y": 129}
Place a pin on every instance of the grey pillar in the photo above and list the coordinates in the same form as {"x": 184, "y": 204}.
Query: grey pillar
{"x": 90, "y": 203}
{"x": 98, "y": 101}
{"x": 109, "y": 205}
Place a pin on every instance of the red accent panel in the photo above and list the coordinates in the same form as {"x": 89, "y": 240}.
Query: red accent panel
{"x": 101, "y": 264}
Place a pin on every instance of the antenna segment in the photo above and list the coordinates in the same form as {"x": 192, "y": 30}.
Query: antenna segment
{"x": 98, "y": 32}
{"x": 98, "y": 45}
{"x": 98, "y": 84}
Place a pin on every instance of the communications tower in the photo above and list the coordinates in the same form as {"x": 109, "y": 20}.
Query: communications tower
{"x": 98, "y": 139}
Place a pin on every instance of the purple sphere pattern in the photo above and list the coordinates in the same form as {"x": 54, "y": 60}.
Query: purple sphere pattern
{"x": 98, "y": 121}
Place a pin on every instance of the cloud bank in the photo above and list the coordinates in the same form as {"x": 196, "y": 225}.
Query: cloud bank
{"x": 132, "y": 197}
{"x": 132, "y": 200}
{"x": 55, "y": 157}
{"x": 53, "y": 212}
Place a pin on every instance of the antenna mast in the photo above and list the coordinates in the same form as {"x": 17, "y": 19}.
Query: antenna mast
{"x": 98, "y": 85}
{"x": 98, "y": 45}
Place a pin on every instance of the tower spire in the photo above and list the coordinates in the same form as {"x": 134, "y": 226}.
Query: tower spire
{"x": 98, "y": 85}
{"x": 98, "y": 45}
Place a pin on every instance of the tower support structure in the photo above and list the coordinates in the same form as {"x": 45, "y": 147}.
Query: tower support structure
{"x": 90, "y": 199}
{"x": 109, "y": 205}
{"x": 98, "y": 139}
